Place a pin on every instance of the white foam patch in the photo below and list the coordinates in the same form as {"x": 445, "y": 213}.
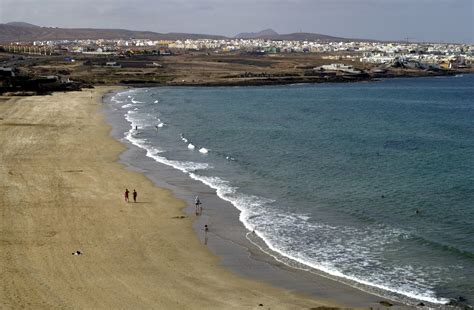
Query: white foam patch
{"x": 114, "y": 99}
{"x": 156, "y": 101}
{"x": 183, "y": 138}
{"x": 191, "y": 146}
{"x": 128, "y": 105}
{"x": 203, "y": 150}
{"x": 154, "y": 152}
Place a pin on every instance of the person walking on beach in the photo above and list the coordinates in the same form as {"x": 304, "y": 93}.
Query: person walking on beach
{"x": 135, "y": 196}
{"x": 197, "y": 204}
{"x": 206, "y": 229}
{"x": 126, "y": 194}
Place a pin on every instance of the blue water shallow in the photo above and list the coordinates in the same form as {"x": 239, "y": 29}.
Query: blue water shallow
{"x": 332, "y": 175}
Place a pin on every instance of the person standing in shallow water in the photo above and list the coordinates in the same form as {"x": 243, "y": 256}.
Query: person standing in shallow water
{"x": 197, "y": 204}
{"x": 135, "y": 194}
{"x": 126, "y": 194}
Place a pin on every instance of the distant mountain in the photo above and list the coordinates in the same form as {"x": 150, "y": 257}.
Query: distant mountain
{"x": 270, "y": 34}
{"x": 254, "y": 35}
{"x": 22, "y": 24}
{"x": 19, "y": 31}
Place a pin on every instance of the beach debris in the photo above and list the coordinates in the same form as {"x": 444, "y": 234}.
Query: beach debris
{"x": 191, "y": 146}
{"x": 203, "y": 150}
{"x": 420, "y": 304}
{"x": 179, "y": 217}
{"x": 386, "y": 303}
{"x": 77, "y": 253}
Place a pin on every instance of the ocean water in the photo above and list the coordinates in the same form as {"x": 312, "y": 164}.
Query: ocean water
{"x": 331, "y": 176}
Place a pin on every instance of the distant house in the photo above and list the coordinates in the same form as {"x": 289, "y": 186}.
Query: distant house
{"x": 113, "y": 64}
{"x": 338, "y": 67}
{"x": 48, "y": 79}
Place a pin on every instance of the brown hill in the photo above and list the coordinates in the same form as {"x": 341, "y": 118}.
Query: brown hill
{"x": 270, "y": 34}
{"x": 15, "y": 32}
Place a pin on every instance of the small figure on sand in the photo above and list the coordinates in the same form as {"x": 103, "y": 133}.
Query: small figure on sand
{"x": 77, "y": 253}
{"x": 206, "y": 229}
{"x": 126, "y": 194}
{"x": 136, "y": 127}
{"x": 135, "y": 194}
{"x": 197, "y": 204}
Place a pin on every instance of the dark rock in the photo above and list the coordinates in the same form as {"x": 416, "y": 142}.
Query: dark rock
{"x": 386, "y": 303}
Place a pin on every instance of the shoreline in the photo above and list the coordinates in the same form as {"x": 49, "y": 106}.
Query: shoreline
{"x": 289, "y": 81}
{"x": 62, "y": 192}
{"x": 230, "y": 242}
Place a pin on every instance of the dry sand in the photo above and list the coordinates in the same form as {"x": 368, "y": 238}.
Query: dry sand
{"x": 61, "y": 190}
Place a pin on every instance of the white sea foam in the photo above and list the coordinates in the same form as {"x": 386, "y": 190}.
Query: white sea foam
{"x": 330, "y": 258}
{"x": 191, "y": 146}
{"x": 128, "y": 105}
{"x": 156, "y": 101}
{"x": 256, "y": 214}
{"x": 183, "y": 138}
{"x": 154, "y": 152}
{"x": 203, "y": 150}
{"x": 160, "y": 125}
{"x": 115, "y": 99}
{"x": 136, "y": 101}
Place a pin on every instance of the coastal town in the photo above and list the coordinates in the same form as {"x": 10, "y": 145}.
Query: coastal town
{"x": 435, "y": 55}
{"x": 230, "y": 61}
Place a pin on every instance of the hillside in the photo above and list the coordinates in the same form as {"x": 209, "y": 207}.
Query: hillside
{"x": 260, "y": 34}
{"x": 18, "y": 31}
{"x": 270, "y": 34}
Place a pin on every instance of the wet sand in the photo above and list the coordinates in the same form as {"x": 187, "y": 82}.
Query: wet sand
{"x": 61, "y": 190}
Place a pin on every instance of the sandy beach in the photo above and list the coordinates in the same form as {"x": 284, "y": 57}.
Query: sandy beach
{"x": 62, "y": 190}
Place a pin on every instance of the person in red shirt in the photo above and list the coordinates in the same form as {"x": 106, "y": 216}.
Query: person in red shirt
{"x": 126, "y": 194}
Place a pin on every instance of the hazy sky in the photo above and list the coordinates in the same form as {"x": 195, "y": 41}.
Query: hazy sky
{"x": 421, "y": 20}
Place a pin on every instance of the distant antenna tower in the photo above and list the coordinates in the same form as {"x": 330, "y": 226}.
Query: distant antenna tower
{"x": 408, "y": 39}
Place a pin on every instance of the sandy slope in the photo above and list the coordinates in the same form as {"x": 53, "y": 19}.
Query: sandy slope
{"x": 61, "y": 190}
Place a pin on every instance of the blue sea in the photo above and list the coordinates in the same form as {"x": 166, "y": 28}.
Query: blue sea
{"x": 371, "y": 183}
